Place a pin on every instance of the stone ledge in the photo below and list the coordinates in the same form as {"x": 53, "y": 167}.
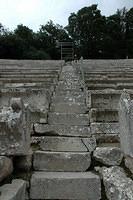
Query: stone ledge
{"x": 68, "y": 119}
{"x": 104, "y": 128}
{"x": 61, "y": 161}
{"x": 61, "y": 130}
{"x": 73, "y": 144}
{"x": 65, "y": 185}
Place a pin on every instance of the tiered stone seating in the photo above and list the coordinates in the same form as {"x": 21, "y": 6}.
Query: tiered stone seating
{"x": 59, "y": 135}
{"x": 33, "y": 81}
{"x": 42, "y": 74}
{"x": 105, "y": 81}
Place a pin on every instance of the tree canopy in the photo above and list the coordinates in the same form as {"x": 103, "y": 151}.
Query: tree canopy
{"x": 94, "y": 36}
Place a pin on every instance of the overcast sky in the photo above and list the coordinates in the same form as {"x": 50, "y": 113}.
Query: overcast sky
{"x": 32, "y": 13}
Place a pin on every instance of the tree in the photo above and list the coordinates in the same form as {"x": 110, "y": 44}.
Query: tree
{"x": 3, "y": 30}
{"x": 11, "y": 46}
{"x": 48, "y": 36}
{"x": 94, "y": 36}
{"x": 87, "y": 28}
{"x": 129, "y": 33}
{"x": 116, "y": 31}
{"x": 30, "y": 48}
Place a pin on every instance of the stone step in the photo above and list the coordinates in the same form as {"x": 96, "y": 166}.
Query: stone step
{"x": 61, "y": 161}
{"x": 104, "y": 128}
{"x": 68, "y": 144}
{"x": 14, "y": 191}
{"x": 62, "y": 130}
{"x": 68, "y": 119}
{"x": 69, "y": 84}
{"x": 69, "y": 81}
{"x": 69, "y": 108}
{"x": 73, "y": 93}
{"x": 76, "y": 89}
{"x": 68, "y": 76}
{"x": 69, "y": 98}
{"x": 65, "y": 185}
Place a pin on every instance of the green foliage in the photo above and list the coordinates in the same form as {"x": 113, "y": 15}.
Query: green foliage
{"x": 97, "y": 36}
{"x": 87, "y": 29}
{"x": 94, "y": 36}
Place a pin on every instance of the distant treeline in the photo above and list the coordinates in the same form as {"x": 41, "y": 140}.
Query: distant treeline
{"x": 93, "y": 35}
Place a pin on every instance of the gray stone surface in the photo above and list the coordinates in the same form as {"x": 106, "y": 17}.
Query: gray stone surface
{"x": 6, "y": 167}
{"x": 104, "y": 115}
{"x": 69, "y": 108}
{"x": 69, "y": 98}
{"x": 73, "y": 93}
{"x": 126, "y": 124}
{"x": 62, "y": 130}
{"x": 68, "y": 119}
{"x": 60, "y": 185}
{"x": 106, "y": 99}
{"x": 61, "y": 161}
{"x": 65, "y": 143}
{"x": 72, "y": 86}
{"x": 14, "y": 129}
{"x": 108, "y": 138}
{"x": 105, "y": 128}
{"x": 117, "y": 185}
{"x": 14, "y": 191}
{"x": 108, "y": 155}
{"x": 129, "y": 163}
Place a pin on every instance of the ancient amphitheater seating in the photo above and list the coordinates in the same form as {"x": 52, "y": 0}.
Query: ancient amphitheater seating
{"x": 105, "y": 81}
{"x": 60, "y": 130}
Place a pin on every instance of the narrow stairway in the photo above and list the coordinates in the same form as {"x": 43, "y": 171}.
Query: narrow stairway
{"x": 62, "y": 163}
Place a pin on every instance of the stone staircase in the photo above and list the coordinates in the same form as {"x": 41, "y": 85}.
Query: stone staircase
{"x": 49, "y": 131}
{"x": 63, "y": 159}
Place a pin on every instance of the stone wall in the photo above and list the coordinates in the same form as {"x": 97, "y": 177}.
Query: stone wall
{"x": 66, "y": 130}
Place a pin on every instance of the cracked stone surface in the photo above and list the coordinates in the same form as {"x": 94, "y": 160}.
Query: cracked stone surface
{"x": 53, "y": 143}
{"x": 14, "y": 129}
{"x": 14, "y": 191}
{"x": 109, "y": 156}
{"x": 117, "y": 184}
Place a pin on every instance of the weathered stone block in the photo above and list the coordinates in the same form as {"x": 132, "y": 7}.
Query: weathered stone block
{"x": 105, "y": 128}
{"x": 117, "y": 185}
{"x": 104, "y": 115}
{"x": 14, "y": 191}
{"x": 62, "y": 130}
{"x": 68, "y": 108}
{"x": 6, "y": 167}
{"x": 73, "y": 93}
{"x": 14, "y": 129}
{"x": 60, "y": 185}
{"x": 61, "y": 161}
{"x": 68, "y": 119}
{"x": 65, "y": 143}
{"x": 108, "y": 138}
{"x": 126, "y": 124}
{"x": 69, "y": 99}
{"x": 108, "y": 155}
{"x": 72, "y": 86}
{"x": 129, "y": 163}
